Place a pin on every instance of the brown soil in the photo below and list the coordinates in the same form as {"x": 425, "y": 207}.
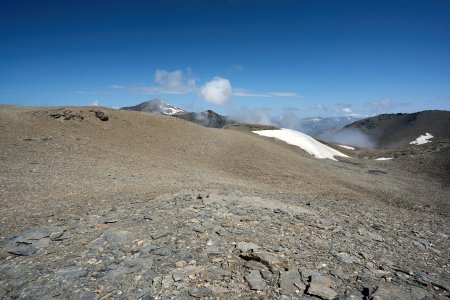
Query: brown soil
{"x": 66, "y": 165}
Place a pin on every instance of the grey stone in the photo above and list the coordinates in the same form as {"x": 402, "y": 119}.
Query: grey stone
{"x": 36, "y": 233}
{"x": 244, "y": 246}
{"x": 167, "y": 281}
{"x": 370, "y": 235}
{"x": 70, "y": 273}
{"x": 320, "y": 286}
{"x": 149, "y": 217}
{"x": 214, "y": 273}
{"x": 160, "y": 234}
{"x": 118, "y": 238}
{"x": 427, "y": 279}
{"x": 307, "y": 273}
{"x": 42, "y": 243}
{"x": 83, "y": 295}
{"x": 347, "y": 258}
{"x": 266, "y": 274}
{"x": 163, "y": 251}
{"x": 214, "y": 250}
{"x": 351, "y": 295}
{"x": 23, "y": 250}
{"x": 288, "y": 281}
{"x": 255, "y": 280}
{"x": 255, "y": 265}
{"x": 322, "y": 291}
{"x": 183, "y": 273}
{"x": 268, "y": 259}
{"x": 199, "y": 292}
{"x": 390, "y": 292}
{"x": 419, "y": 293}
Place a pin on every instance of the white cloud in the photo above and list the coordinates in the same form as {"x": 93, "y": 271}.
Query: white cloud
{"x": 166, "y": 82}
{"x": 248, "y": 93}
{"x": 95, "y": 103}
{"x": 238, "y": 67}
{"x": 217, "y": 90}
{"x": 347, "y": 110}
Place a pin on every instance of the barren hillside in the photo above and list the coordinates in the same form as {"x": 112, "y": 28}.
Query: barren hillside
{"x": 391, "y": 131}
{"x": 140, "y": 205}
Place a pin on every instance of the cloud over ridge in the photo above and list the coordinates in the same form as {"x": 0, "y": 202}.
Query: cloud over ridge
{"x": 218, "y": 90}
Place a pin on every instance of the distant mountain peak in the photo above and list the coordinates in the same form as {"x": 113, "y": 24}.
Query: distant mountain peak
{"x": 206, "y": 118}
{"x": 156, "y": 106}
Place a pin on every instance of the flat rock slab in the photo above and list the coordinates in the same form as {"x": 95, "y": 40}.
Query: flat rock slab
{"x": 23, "y": 250}
{"x": 290, "y": 282}
{"x": 387, "y": 292}
{"x": 245, "y": 246}
{"x": 427, "y": 279}
{"x": 320, "y": 286}
{"x": 255, "y": 280}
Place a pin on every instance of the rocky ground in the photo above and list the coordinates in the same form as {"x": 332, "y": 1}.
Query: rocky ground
{"x": 80, "y": 224}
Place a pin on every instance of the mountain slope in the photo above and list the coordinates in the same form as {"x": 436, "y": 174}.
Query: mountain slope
{"x": 397, "y": 130}
{"x": 93, "y": 199}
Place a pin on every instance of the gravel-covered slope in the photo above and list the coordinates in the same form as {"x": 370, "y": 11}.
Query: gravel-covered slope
{"x": 141, "y": 206}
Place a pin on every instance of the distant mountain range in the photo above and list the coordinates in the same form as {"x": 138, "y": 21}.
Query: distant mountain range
{"x": 387, "y": 131}
{"x": 311, "y": 126}
{"x": 207, "y": 118}
{"x": 315, "y": 126}
{"x": 390, "y": 131}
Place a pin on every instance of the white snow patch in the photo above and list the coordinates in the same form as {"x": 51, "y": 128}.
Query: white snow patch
{"x": 303, "y": 141}
{"x": 171, "y": 110}
{"x": 384, "y": 158}
{"x": 347, "y": 147}
{"x": 423, "y": 139}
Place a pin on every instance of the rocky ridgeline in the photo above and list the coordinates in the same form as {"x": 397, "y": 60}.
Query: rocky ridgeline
{"x": 229, "y": 245}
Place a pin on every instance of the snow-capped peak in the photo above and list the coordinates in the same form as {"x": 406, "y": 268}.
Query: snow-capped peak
{"x": 169, "y": 109}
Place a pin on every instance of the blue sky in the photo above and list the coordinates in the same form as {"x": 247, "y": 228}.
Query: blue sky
{"x": 328, "y": 58}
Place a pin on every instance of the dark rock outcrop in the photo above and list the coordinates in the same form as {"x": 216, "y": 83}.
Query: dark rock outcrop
{"x": 207, "y": 118}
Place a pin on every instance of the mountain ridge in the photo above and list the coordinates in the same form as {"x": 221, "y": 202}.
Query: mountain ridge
{"x": 206, "y": 118}
{"x": 389, "y": 131}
